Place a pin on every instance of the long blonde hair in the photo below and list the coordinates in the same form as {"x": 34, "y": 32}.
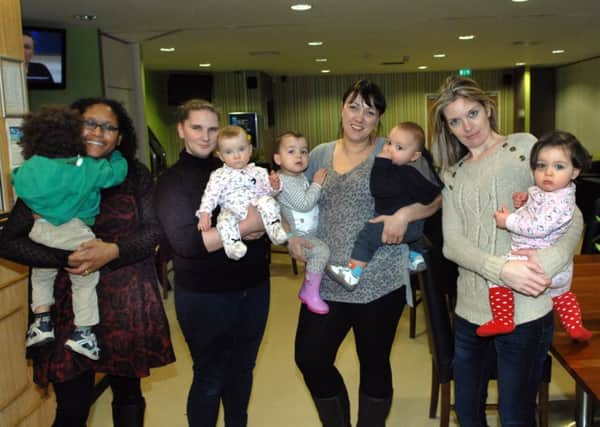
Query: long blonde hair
{"x": 446, "y": 147}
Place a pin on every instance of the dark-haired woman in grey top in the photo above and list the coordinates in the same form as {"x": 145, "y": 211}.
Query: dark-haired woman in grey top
{"x": 373, "y": 310}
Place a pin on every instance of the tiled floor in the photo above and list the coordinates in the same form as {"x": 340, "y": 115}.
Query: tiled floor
{"x": 279, "y": 397}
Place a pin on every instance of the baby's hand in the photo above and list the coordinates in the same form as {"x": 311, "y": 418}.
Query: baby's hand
{"x": 275, "y": 181}
{"x": 519, "y": 199}
{"x": 500, "y": 216}
{"x": 319, "y": 176}
{"x": 204, "y": 222}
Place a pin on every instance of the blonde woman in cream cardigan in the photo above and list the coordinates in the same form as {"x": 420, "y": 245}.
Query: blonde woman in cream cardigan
{"x": 481, "y": 169}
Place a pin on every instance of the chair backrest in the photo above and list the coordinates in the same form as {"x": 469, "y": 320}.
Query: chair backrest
{"x": 438, "y": 294}
{"x": 592, "y": 231}
{"x": 437, "y": 313}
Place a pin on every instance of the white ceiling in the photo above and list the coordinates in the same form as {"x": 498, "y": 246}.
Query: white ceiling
{"x": 358, "y": 35}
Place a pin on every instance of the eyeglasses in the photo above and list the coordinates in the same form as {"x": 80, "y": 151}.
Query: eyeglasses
{"x": 91, "y": 125}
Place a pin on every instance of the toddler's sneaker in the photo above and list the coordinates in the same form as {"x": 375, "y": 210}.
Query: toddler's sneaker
{"x": 343, "y": 275}
{"x": 416, "y": 261}
{"x": 83, "y": 341}
{"x": 40, "y": 332}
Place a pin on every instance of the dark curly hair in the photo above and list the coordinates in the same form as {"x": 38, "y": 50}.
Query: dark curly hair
{"x": 128, "y": 145}
{"x": 580, "y": 157}
{"x": 54, "y": 131}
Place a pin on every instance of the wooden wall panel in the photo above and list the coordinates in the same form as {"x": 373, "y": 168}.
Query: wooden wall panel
{"x": 11, "y": 45}
{"x": 22, "y": 403}
{"x": 11, "y": 39}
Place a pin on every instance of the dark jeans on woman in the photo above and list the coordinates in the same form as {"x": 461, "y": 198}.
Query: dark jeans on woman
{"x": 223, "y": 332}
{"x": 319, "y": 337}
{"x": 520, "y": 358}
{"x": 74, "y": 397}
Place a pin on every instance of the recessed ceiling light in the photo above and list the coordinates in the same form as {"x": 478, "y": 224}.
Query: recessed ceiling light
{"x": 300, "y": 7}
{"x": 422, "y": 67}
{"x": 520, "y": 1}
{"x": 204, "y": 65}
{"x": 520, "y": 64}
{"x": 85, "y": 17}
{"x": 439, "y": 55}
{"x": 315, "y": 43}
{"x": 326, "y": 71}
{"x": 320, "y": 59}
{"x": 556, "y": 51}
{"x": 167, "y": 49}
{"x": 466, "y": 37}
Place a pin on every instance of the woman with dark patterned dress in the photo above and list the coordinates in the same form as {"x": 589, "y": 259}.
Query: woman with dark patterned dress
{"x": 133, "y": 333}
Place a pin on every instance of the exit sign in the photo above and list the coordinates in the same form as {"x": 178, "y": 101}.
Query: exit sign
{"x": 464, "y": 72}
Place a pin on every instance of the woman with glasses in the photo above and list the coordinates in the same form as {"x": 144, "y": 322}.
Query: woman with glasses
{"x": 133, "y": 331}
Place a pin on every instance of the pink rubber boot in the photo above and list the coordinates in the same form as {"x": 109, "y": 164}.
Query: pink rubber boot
{"x": 309, "y": 293}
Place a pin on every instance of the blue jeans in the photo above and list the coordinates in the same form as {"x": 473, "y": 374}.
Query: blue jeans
{"x": 519, "y": 357}
{"x": 223, "y": 332}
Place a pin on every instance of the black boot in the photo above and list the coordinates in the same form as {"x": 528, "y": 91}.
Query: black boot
{"x": 129, "y": 415}
{"x": 372, "y": 412}
{"x": 334, "y": 411}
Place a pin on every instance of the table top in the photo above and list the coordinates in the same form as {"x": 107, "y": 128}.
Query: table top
{"x": 582, "y": 360}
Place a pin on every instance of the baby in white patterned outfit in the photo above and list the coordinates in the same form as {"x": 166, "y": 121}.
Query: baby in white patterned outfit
{"x": 234, "y": 187}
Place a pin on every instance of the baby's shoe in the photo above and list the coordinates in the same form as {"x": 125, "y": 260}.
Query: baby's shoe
{"x": 235, "y": 250}
{"x": 416, "y": 261}
{"x": 344, "y": 275}
{"x": 83, "y": 341}
{"x": 41, "y": 331}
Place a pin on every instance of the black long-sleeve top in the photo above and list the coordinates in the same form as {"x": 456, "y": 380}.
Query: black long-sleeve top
{"x": 394, "y": 187}
{"x": 178, "y": 196}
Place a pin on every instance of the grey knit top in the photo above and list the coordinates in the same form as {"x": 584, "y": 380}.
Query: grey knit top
{"x": 345, "y": 205}
{"x": 472, "y": 193}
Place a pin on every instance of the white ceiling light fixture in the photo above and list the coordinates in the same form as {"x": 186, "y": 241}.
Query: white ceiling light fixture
{"x": 301, "y": 7}
{"x": 439, "y": 55}
{"x": 85, "y": 17}
{"x": 320, "y": 59}
{"x": 520, "y": 1}
{"x": 205, "y": 65}
{"x": 422, "y": 67}
{"x": 467, "y": 37}
{"x": 520, "y": 64}
{"x": 326, "y": 71}
{"x": 167, "y": 49}
{"x": 558, "y": 51}
{"x": 315, "y": 43}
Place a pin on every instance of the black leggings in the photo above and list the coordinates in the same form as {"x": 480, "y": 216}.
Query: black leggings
{"x": 319, "y": 337}
{"x": 74, "y": 397}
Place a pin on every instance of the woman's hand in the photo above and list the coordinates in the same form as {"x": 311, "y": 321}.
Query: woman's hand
{"x": 92, "y": 256}
{"x": 252, "y": 227}
{"x": 204, "y": 221}
{"x": 526, "y": 277}
{"x": 296, "y": 246}
{"x": 394, "y": 227}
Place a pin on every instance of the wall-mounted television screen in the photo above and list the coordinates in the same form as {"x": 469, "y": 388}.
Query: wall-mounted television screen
{"x": 45, "y": 57}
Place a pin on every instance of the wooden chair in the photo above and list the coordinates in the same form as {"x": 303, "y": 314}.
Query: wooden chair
{"x": 281, "y": 249}
{"x": 415, "y": 278}
{"x": 438, "y": 304}
{"x": 592, "y": 230}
